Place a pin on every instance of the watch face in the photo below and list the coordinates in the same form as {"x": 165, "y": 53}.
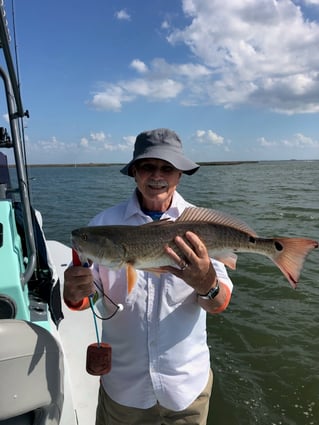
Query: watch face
{"x": 213, "y": 292}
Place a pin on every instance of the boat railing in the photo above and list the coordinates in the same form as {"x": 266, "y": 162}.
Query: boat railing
{"x": 16, "y": 113}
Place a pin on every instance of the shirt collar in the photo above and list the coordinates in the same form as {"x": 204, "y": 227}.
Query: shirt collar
{"x": 174, "y": 211}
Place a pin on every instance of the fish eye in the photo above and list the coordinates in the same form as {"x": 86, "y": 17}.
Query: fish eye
{"x": 84, "y": 236}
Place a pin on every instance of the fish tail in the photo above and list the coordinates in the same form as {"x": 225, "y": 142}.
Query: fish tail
{"x": 290, "y": 256}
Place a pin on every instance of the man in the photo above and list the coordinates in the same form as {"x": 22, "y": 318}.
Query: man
{"x": 160, "y": 369}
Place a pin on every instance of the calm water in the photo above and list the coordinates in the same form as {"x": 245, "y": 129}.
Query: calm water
{"x": 265, "y": 347}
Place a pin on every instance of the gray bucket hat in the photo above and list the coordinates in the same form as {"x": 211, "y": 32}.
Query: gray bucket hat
{"x": 164, "y": 144}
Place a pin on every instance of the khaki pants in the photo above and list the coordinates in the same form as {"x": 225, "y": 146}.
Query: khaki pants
{"x": 111, "y": 413}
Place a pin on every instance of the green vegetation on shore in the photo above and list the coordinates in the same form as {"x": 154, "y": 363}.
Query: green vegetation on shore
{"x": 94, "y": 164}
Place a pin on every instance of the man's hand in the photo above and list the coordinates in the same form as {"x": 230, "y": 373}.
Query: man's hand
{"x": 78, "y": 284}
{"x": 196, "y": 270}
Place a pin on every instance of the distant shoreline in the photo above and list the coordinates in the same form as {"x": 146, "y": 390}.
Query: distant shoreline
{"x": 201, "y": 163}
{"x": 106, "y": 164}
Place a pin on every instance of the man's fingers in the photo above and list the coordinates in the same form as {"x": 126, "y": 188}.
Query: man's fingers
{"x": 199, "y": 247}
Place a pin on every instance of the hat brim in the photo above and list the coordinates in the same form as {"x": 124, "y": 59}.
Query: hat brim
{"x": 178, "y": 161}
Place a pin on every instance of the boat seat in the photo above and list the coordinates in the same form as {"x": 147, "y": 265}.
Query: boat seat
{"x": 26, "y": 419}
{"x": 31, "y": 371}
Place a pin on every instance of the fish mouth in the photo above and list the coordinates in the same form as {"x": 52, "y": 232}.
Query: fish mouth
{"x": 75, "y": 246}
{"x": 82, "y": 256}
{"x": 75, "y": 240}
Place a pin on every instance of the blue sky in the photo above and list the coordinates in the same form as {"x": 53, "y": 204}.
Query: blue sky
{"x": 237, "y": 80}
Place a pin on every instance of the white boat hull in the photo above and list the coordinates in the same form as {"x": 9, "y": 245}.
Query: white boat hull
{"x": 75, "y": 333}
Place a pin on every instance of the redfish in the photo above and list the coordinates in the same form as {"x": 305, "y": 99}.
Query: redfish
{"x": 142, "y": 247}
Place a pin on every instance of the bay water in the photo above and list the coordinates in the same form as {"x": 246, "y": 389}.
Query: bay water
{"x": 265, "y": 346}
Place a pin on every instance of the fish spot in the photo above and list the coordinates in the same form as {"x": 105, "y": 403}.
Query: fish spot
{"x": 278, "y": 246}
{"x": 252, "y": 239}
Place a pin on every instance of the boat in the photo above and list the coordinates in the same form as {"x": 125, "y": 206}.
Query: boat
{"x": 42, "y": 343}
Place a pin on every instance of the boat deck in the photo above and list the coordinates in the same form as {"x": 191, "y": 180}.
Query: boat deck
{"x": 76, "y": 332}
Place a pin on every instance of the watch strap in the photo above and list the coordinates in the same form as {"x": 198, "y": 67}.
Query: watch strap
{"x": 212, "y": 293}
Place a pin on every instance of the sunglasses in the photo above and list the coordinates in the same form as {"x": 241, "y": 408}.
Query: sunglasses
{"x": 147, "y": 167}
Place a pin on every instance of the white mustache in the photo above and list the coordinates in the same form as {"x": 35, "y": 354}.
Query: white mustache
{"x": 158, "y": 183}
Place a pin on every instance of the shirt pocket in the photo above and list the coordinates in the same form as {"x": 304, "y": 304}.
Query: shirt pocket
{"x": 177, "y": 291}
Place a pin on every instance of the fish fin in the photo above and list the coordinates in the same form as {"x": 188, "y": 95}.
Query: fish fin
{"x": 155, "y": 270}
{"x": 228, "y": 258}
{"x": 216, "y": 217}
{"x": 290, "y": 256}
{"x": 131, "y": 277}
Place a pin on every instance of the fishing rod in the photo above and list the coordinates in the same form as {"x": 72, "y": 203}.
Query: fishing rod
{"x": 4, "y": 44}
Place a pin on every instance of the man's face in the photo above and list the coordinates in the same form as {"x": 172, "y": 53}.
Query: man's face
{"x": 156, "y": 180}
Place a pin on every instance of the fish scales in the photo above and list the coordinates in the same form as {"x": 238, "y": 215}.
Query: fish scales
{"x": 142, "y": 247}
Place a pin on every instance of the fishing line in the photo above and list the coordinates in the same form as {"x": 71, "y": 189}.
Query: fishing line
{"x": 98, "y": 354}
{"x": 118, "y": 307}
{"x": 94, "y": 319}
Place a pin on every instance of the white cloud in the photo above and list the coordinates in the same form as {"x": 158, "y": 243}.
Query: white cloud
{"x": 111, "y": 97}
{"x": 200, "y": 133}
{"x": 98, "y": 136}
{"x": 298, "y": 140}
{"x": 50, "y": 144}
{"x": 139, "y": 66}
{"x": 129, "y": 140}
{"x": 165, "y": 25}
{"x": 312, "y": 2}
{"x": 84, "y": 142}
{"x": 155, "y": 89}
{"x": 250, "y": 44}
{"x": 114, "y": 96}
{"x": 45, "y": 151}
{"x": 159, "y": 66}
{"x": 54, "y": 150}
{"x": 243, "y": 53}
{"x": 266, "y": 143}
{"x": 162, "y": 81}
{"x": 209, "y": 137}
{"x": 98, "y": 141}
{"x": 122, "y": 15}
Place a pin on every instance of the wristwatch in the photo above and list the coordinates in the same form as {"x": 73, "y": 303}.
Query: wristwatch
{"x": 212, "y": 293}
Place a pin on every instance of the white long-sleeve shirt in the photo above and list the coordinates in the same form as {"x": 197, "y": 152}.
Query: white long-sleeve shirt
{"x": 159, "y": 341}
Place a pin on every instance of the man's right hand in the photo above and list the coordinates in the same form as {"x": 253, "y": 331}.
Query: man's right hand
{"x": 78, "y": 284}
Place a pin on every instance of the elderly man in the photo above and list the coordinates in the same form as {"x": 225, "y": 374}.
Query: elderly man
{"x": 161, "y": 367}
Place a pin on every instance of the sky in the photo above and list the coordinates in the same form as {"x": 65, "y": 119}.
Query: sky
{"x": 236, "y": 79}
